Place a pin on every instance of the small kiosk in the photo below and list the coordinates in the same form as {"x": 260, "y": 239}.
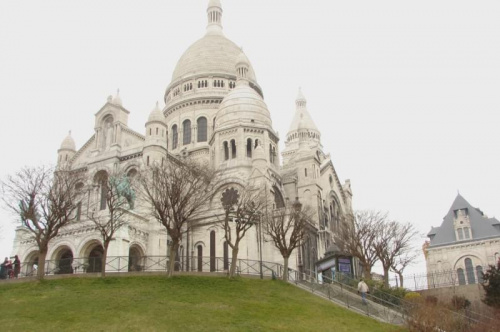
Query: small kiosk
{"x": 332, "y": 263}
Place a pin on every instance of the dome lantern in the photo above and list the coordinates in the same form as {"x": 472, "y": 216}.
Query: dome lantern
{"x": 242, "y": 66}
{"x": 214, "y": 15}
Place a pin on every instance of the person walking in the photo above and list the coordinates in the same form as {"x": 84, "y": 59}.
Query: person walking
{"x": 17, "y": 266}
{"x": 363, "y": 289}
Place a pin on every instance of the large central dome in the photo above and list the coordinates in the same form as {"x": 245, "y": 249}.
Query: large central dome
{"x": 213, "y": 54}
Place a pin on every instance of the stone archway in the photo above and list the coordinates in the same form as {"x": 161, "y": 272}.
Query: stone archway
{"x": 63, "y": 260}
{"x": 30, "y": 264}
{"x": 92, "y": 253}
{"x": 135, "y": 258}
{"x": 95, "y": 259}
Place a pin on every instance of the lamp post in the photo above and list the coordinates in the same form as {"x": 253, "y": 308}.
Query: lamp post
{"x": 297, "y": 208}
{"x": 259, "y": 237}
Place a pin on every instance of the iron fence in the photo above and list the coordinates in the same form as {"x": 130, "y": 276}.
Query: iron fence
{"x": 439, "y": 279}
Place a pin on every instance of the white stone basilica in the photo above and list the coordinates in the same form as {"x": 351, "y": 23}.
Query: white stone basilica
{"x": 214, "y": 110}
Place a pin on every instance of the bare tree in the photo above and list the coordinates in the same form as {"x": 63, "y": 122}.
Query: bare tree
{"x": 178, "y": 192}
{"x": 358, "y": 239}
{"x": 393, "y": 239}
{"x": 243, "y": 209}
{"x": 108, "y": 213}
{"x": 45, "y": 201}
{"x": 402, "y": 261}
{"x": 287, "y": 228}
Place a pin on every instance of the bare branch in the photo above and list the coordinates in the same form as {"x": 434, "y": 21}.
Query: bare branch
{"x": 109, "y": 212}
{"x": 287, "y": 228}
{"x": 358, "y": 239}
{"x": 177, "y": 192}
{"x": 44, "y": 200}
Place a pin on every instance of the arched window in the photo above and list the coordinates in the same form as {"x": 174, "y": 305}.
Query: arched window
{"x": 212, "y": 251}
{"x": 186, "y": 132}
{"x": 226, "y": 256}
{"x": 233, "y": 149}
{"x": 174, "y": 137}
{"x": 479, "y": 272}
{"x": 469, "y": 269}
{"x": 102, "y": 181}
{"x": 461, "y": 276}
{"x": 270, "y": 153}
{"x": 78, "y": 211}
{"x": 305, "y": 172}
{"x": 226, "y": 151}
{"x": 249, "y": 148}
{"x": 202, "y": 129}
{"x": 256, "y": 143}
{"x": 147, "y": 161}
{"x": 200, "y": 255}
{"x": 278, "y": 198}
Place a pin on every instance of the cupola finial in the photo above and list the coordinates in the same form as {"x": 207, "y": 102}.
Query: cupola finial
{"x": 301, "y": 100}
{"x": 214, "y": 15}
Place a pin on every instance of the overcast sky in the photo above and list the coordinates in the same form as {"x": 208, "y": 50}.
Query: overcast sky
{"x": 406, "y": 94}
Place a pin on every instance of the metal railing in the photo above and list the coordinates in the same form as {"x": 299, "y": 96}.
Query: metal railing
{"x": 443, "y": 278}
{"x": 121, "y": 264}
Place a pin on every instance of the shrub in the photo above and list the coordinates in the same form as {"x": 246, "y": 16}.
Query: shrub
{"x": 430, "y": 299}
{"x": 459, "y": 302}
{"x": 491, "y": 286}
{"x": 412, "y": 296}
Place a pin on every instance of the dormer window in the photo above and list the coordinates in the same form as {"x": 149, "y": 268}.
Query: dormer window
{"x": 460, "y": 233}
{"x": 461, "y": 213}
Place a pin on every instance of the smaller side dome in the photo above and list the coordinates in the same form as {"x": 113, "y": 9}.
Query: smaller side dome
{"x": 156, "y": 114}
{"x": 117, "y": 100}
{"x": 68, "y": 143}
{"x": 243, "y": 105}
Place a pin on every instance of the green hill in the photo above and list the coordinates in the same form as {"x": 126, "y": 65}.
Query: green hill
{"x": 183, "y": 303}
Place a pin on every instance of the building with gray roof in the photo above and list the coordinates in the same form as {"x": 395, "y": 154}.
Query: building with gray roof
{"x": 465, "y": 243}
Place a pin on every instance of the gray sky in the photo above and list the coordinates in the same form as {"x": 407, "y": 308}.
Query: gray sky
{"x": 405, "y": 93}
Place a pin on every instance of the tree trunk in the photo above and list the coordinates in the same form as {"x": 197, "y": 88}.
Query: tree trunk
{"x": 42, "y": 254}
{"x": 285, "y": 268}
{"x": 367, "y": 271}
{"x": 386, "y": 276}
{"x": 171, "y": 263}
{"x": 103, "y": 259}
{"x": 400, "y": 279}
{"x": 234, "y": 260}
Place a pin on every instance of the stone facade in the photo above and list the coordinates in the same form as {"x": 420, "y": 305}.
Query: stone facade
{"x": 214, "y": 111}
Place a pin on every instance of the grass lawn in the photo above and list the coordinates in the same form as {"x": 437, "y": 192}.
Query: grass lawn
{"x": 184, "y": 303}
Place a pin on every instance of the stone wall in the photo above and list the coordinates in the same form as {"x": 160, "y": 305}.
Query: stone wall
{"x": 473, "y": 293}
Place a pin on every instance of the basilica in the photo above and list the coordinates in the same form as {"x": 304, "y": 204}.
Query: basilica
{"x": 214, "y": 111}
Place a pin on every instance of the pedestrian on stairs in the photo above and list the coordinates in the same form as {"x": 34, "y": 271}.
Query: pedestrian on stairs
{"x": 363, "y": 289}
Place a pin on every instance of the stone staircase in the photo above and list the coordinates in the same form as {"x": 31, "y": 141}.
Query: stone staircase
{"x": 347, "y": 297}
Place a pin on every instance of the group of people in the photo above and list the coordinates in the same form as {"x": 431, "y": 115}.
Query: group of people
{"x": 9, "y": 269}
